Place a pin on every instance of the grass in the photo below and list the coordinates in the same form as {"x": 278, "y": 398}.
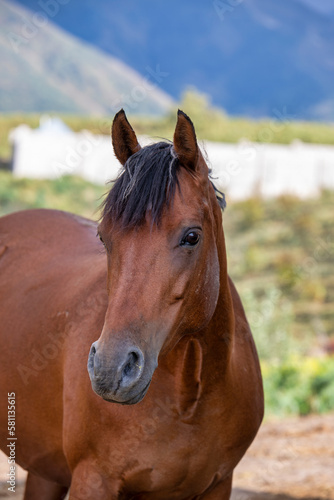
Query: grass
{"x": 280, "y": 256}
{"x": 299, "y": 386}
{"x": 71, "y": 194}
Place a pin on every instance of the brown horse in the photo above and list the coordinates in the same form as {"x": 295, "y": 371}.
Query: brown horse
{"x": 177, "y": 393}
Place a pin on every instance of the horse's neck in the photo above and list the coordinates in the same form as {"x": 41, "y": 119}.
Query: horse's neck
{"x": 198, "y": 363}
{"x": 222, "y": 325}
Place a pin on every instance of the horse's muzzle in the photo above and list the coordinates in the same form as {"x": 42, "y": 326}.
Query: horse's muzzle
{"x": 121, "y": 378}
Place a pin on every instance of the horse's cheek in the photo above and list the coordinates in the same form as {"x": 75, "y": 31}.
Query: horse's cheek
{"x": 208, "y": 289}
{"x": 212, "y": 284}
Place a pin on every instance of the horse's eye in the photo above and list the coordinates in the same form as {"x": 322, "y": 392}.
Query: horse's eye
{"x": 191, "y": 239}
{"x": 103, "y": 243}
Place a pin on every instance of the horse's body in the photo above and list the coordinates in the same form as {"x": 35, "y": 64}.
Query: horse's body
{"x": 205, "y": 402}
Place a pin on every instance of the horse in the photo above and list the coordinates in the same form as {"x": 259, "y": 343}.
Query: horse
{"x": 171, "y": 395}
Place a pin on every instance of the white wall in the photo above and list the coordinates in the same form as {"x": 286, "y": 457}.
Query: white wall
{"x": 246, "y": 169}
{"x": 241, "y": 170}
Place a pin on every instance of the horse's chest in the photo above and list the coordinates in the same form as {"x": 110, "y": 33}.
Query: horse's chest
{"x": 169, "y": 456}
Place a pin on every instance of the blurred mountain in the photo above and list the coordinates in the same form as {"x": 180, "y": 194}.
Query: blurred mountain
{"x": 254, "y": 57}
{"x": 43, "y": 68}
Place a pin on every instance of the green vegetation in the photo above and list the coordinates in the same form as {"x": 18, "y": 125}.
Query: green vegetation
{"x": 299, "y": 385}
{"x": 211, "y": 124}
{"x": 280, "y": 256}
{"x": 71, "y": 194}
{"x": 214, "y": 124}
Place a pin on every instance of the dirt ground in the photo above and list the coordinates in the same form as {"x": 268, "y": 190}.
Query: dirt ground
{"x": 290, "y": 459}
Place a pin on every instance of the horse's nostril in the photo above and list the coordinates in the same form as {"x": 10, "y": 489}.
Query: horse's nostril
{"x": 132, "y": 366}
{"x": 92, "y": 351}
{"x": 134, "y": 357}
{"x": 127, "y": 369}
{"x": 91, "y": 365}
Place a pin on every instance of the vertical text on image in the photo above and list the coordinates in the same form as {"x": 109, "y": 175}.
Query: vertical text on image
{"x": 11, "y": 481}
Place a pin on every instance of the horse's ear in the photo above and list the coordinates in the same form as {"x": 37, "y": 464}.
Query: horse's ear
{"x": 185, "y": 142}
{"x": 124, "y": 139}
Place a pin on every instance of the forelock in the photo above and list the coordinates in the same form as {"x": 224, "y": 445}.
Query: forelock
{"x": 146, "y": 183}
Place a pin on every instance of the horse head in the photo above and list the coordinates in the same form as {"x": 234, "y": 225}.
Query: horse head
{"x": 162, "y": 230}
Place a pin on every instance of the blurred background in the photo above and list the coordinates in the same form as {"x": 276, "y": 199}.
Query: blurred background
{"x": 257, "y": 79}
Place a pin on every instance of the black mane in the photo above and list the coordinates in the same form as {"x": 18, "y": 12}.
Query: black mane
{"x": 146, "y": 183}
